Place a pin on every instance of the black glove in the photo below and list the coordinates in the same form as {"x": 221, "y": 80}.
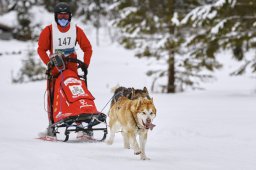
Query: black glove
{"x": 57, "y": 61}
{"x": 84, "y": 67}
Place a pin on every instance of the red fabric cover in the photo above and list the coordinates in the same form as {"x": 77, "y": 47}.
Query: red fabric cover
{"x": 71, "y": 97}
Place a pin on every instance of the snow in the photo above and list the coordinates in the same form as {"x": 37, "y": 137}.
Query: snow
{"x": 196, "y": 130}
{"x": 5, "y": 17}
{"x": 220, "y": 2}
{"x": 218, "y": 27}
{"x": 175, "y": 19}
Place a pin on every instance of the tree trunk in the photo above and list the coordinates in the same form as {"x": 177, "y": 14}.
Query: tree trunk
{"x": 98, "y": 29}
{"x": 171, "y": 60}
{"x": 171, "y": 74}
{"x": 97, "y": 36}
{"x": 1, "y": 7}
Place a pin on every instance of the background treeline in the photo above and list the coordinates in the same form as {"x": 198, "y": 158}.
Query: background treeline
{"x": 182, "y": 37}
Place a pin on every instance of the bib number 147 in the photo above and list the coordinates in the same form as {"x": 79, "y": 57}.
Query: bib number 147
{"x": 64, "y": 41}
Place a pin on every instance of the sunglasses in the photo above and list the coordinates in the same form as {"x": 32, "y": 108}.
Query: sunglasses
{"x": 63, "y": 16}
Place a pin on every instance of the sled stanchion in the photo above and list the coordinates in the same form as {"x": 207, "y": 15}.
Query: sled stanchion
{"x": 67, "y": 135}
{"x": 104, "y": 136}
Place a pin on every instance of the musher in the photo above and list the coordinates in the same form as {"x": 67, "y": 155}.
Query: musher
{"x": 61, "y": 36}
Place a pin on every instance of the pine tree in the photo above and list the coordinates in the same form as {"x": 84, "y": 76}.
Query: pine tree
{"x": 193, "y": 69}
{"x": 225, "y": 25}
{"x": 153, "y": 30}
{"x": 96, "y": 13}
{"x": 31, "y": 70}
{"x": 24, "y": 30}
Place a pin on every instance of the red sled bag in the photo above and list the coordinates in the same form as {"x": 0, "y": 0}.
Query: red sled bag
{"x": 71, "y": 97}
{"x": 71, "y": 104}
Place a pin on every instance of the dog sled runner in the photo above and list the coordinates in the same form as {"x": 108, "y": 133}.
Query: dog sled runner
{"x": 72, "y": 106}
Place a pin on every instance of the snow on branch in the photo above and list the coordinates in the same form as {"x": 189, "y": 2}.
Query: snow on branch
{"x": 199, "y": 14}
{"x": 218, "y": 27}
{"x": 220, "y": 3}
{"x": 175, "y": 19}
{"x": 127, "y": 11}
{"x": 206, "y": 12}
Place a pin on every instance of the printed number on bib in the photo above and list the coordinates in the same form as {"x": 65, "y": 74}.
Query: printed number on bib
{"x": 64, "y": 41}
{"x": 76, "y": 90}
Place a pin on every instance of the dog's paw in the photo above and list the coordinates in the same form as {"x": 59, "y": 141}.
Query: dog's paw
{"x": 127, "y": 147}
{"x": 143, "y": 157}
{"x": 137, "y": 152}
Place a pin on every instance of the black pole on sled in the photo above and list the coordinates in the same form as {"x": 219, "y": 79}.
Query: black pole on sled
{"x": 67, "y": 134}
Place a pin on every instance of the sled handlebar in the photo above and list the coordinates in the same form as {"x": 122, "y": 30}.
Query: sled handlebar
{"x": 81, "y": 65}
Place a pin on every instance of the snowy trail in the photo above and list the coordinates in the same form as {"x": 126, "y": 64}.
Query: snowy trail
{"x": 202, "y": 130}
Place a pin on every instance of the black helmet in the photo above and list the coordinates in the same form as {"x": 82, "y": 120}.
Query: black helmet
{"x": 62, "y": 7}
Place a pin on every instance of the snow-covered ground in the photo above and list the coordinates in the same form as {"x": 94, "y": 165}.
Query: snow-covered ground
{"x": 212, "y": 129}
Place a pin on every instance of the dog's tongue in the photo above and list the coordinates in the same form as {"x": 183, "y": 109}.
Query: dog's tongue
{"x": 150, "y": 126}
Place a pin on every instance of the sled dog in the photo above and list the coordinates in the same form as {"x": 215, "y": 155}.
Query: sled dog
{"x": 130, "y": 93}
{"x": 133, "y": 117}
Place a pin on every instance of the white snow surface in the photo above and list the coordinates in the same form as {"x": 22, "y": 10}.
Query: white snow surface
{"x": 212, "y": 129}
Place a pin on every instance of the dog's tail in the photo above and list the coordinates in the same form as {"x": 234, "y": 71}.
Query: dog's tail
{"x": 114, "y": 90}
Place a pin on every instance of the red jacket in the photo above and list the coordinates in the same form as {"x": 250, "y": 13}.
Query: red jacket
{"x": 45, "y": 44}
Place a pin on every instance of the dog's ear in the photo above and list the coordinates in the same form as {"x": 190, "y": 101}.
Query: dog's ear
{"x": 145, "y": 89}
{"x": 133, "y": 90}
{"x": 132, "y": 93}
{"x": 136, "y": 104}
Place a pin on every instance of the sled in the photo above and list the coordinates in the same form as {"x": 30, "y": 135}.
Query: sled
{"x": 72, "y": 106}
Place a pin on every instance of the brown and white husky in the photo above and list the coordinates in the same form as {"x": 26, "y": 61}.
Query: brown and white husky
{"x": 133, "y": 117}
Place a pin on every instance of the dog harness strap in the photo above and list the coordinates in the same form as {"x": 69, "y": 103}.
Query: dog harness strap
{"x": 64, "y": 41}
